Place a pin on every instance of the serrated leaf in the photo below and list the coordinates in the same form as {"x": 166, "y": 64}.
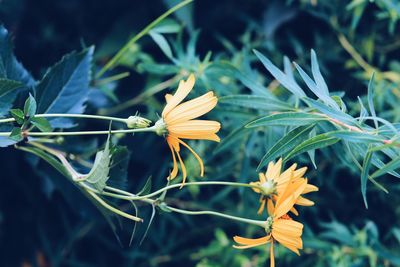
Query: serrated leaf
{"x": 65, "y": 87}
{"x": 282, "y": 78}
{"x": 12, "y": 70}
{"x": 42, "y": 124}
{"x": 99, "y": 174}
{"x": 285, "y": 144}
{"x": 364, "y": 176}
{"x": 18, "y": 115}
{"x": 287, "y": 119}
{"x": 30, "y": 107}
{"x": 16, "y": 135}
{"x": 146, "y": 188}
{"x": 255, "y": 102}
{"x": 316, "y": 142}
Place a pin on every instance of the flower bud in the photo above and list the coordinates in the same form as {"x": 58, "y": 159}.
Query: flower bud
{"x": 137, "y": 122}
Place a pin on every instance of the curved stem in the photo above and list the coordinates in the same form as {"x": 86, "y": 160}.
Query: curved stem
{"x": 110, "y": 64}
{"x": 85, "y": 116}
{"x": 218, "y": 214}
{"x": 149, "y": 129}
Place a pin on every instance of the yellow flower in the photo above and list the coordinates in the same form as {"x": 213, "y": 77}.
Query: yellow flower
{"x": 178, "y": 122}
{"x": 273, "y": 182}
{"x": 279, "y": 226}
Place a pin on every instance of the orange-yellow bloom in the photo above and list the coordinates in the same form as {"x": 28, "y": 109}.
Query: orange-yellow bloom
{"x": 178, "y": 121}
{"x": 279, "y": 226}
{"x": 273, "y": 182}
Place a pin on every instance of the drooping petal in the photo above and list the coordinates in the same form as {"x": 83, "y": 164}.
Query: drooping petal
{"x": 183, "y": 90}
{"x": 262, "y": 205}
{"x": 271, "y": 254}
{"x": 270, "y": 207}
{"x": 289, "y": 197}
{"x": 175, "y": 168}
{"x": 191, "y": 109}
{"x": 183, "y": 168}
{"x": 195, "y": 155}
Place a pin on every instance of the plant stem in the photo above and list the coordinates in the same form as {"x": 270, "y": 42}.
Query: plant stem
{"x": 149, "y": 129}
{"x": 111, "y": 208}
{"x": 218, "y": 214}
{"x": 129, "y": 196}
{"x": 110, "y": 64}
{"x": 85, "y": 116}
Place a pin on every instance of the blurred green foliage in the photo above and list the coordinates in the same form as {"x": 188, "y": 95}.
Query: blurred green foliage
{"x": 45, "y": 221}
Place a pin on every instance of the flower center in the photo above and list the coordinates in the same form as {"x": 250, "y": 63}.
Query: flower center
{"x": 268, "y": 188}
{"x": 161, "y": 127}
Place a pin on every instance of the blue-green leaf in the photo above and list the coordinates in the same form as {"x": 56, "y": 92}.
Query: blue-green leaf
{"x": 65, "y": 87}
{"x": 364, "y": 176}
{"x": 255, "y": 102}
{"x": 287, "y": 119}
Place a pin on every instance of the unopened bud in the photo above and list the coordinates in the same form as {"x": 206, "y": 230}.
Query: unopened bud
{"x": 137, "y": 122}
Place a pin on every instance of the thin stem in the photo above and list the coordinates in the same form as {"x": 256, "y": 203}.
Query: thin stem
{"x": 85, "y": 116}
{"x": 218, "y": 214}
{"x": 110, "y": 64}
{"x": 112, "y": 78}
{"x": 129, "y": 196}
{"x": 149, "y": 129}
{"x": 111, "y": 208}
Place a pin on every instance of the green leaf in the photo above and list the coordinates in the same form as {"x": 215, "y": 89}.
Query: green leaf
{"x": 18, "y": 115}
{"x": 255, "y": 102}
{"x": 371, "y": 99}
{"x": 364, "y": 176}
{"x": 285, "y": 144}
{"x": 11, "y": 73}
{"x": 282, "y": 78}
{"x": 146, "y": 188}
{"x": 357, "y": 137}
{"x": 42, "y": 124}
{"x": 30, "y": 107}
{"x": 7, "y": 86}
{"x": 390, "y": 166}
{"x": 316, "y": 142}
{"x": 160, "y": 40}
{"x": 16, "y": 135}
{"x": 65, "y": 87}
{"x": 99, "y": 174}
{"x": 287, "y": 119}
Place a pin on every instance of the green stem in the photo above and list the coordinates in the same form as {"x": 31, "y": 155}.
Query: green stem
{"x": 111, "y": 208}
{"x": 149, "y": 129}
{"x": 110, "y": 64}
{"x": 218, "y": 214}
{"x": 129, "y": 196}
{"x": 85, "y": 116}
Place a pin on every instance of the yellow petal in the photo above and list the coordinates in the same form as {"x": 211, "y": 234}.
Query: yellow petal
{"x": 289, "y": 197}
{"x": 300, "y": 172}
{"x": 294, "y": 211}
{"x": 270, "y": 207}
{"x": 310, "y": 188}
{"x": 287, "y": 227}
{"x": 191, "y": 109}
{"x": 302, "y": 201}
{"x": 174, "y": 172}
{"x": 196, "y": 129}
{"x": 195, "y": 155}
{"x": 262, "y": 206}
{"x": 274, "y": 170}
{"x": 261, "y": 177}
{"x": 271, "y": 255}
{"x": 183, "y": 168}
{"x": 254, "y": 188}
{"x": 183, "y": 90}
{"x": 252, "y": 241}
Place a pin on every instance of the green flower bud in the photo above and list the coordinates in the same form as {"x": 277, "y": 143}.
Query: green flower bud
{"x": 137, "y": 122}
